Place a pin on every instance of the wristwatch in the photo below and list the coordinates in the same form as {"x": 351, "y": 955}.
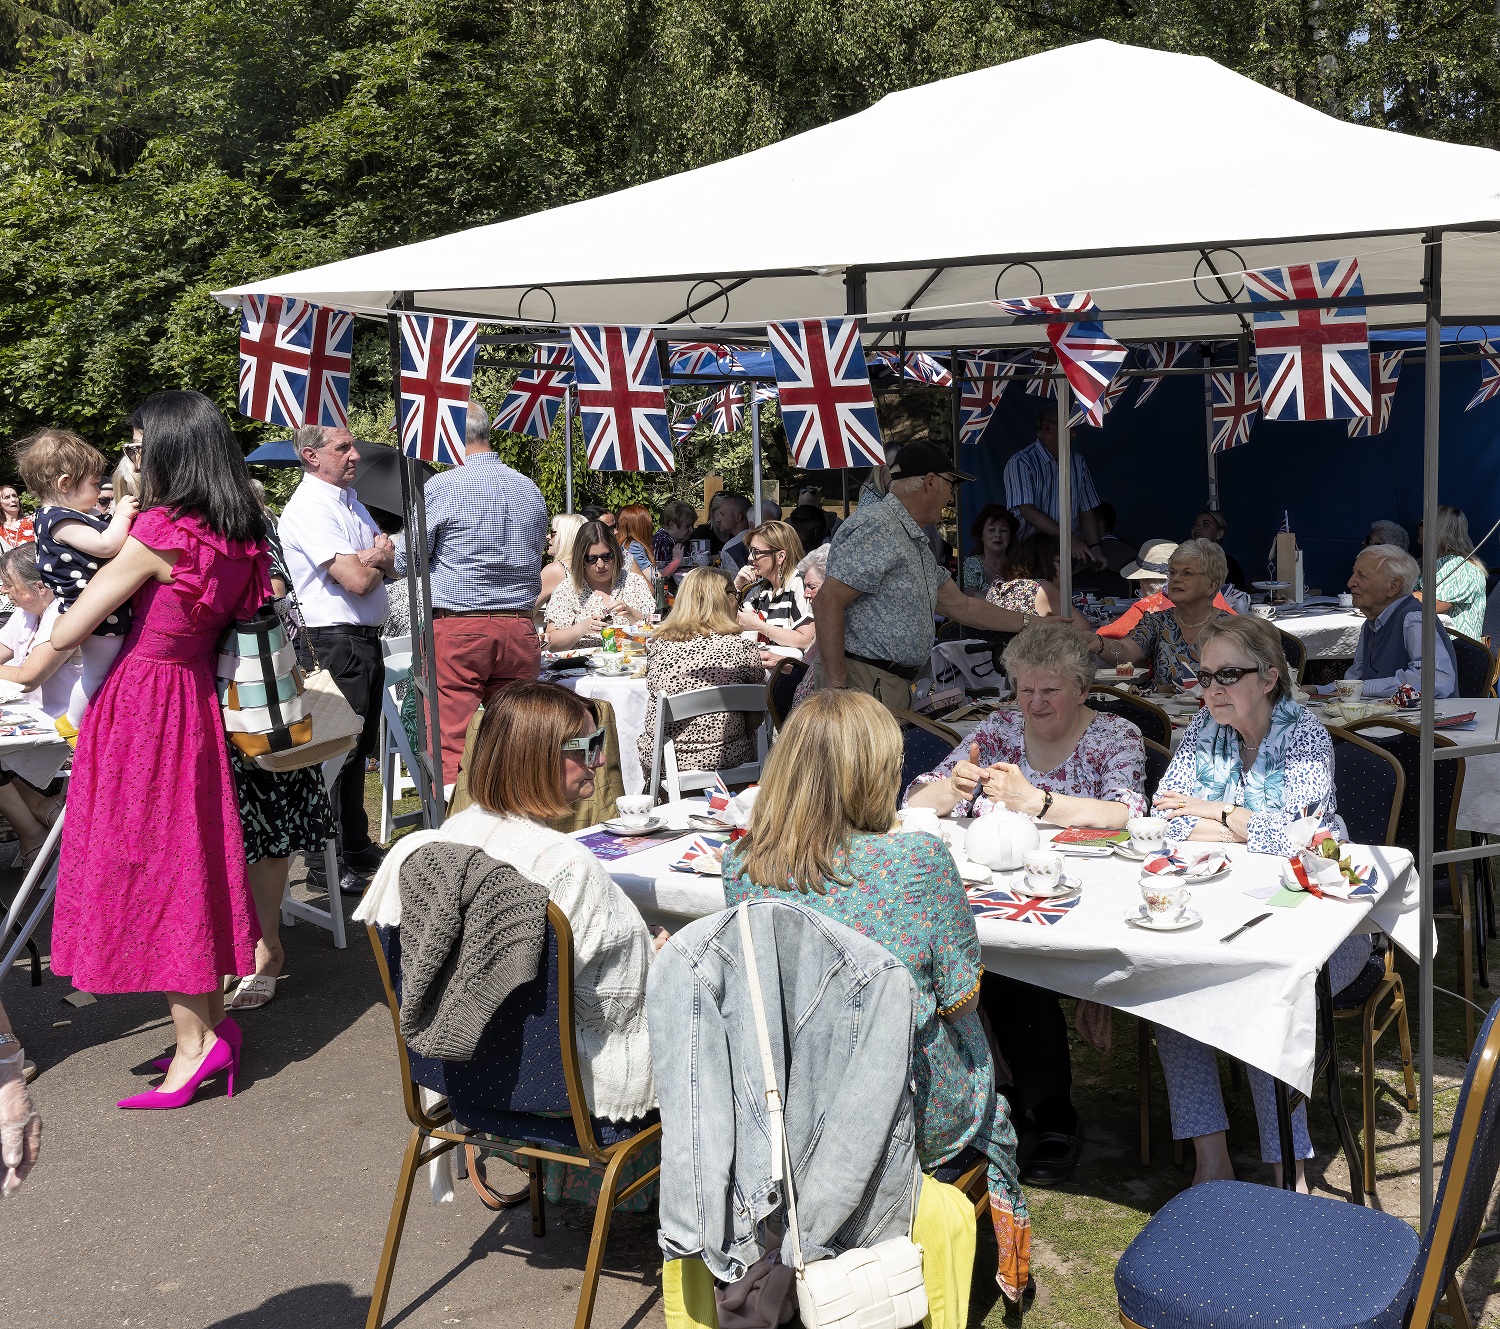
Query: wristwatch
{"x": 1224, "y": 814}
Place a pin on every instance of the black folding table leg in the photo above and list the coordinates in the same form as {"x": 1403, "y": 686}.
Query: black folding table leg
{"x": 1284, "y": 1129}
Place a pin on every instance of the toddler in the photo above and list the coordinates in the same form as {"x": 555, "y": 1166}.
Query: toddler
{"x": 72, "y": 543}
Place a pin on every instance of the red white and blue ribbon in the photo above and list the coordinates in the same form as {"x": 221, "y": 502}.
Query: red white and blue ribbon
{"x": 536, "y": 395}
{"x": 621, "y": 399}
{"x": 995, "y": 902}
{"x": 294, "y": 362}
{"x": 437, "y": 374}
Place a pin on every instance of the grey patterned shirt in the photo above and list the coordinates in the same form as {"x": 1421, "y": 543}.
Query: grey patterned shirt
{"x": 882, "y": 553}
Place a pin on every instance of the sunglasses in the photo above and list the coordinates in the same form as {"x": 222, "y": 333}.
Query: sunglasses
{"x": 758, "y": 554}
{"x": 598, "y": 558}
{"x": 1226, "y": 677}
{"x": 591, "y": 745}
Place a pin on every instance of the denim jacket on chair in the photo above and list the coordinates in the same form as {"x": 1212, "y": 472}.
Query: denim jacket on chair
{"x": 841, "y": 1013}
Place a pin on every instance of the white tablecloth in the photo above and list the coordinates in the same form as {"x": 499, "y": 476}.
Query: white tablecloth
{"x": 628, "y": 698}
{"x": 1254, "y": 997}
{"x": 36, "y": 758}
{"x": 1479, "y": 803}
{"x": 1328, "y": 632}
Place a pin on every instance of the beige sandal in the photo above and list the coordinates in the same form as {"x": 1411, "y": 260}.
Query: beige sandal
{"x": 254, "y": 992}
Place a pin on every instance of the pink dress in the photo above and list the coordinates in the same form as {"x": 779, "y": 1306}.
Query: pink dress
{"x": 152, "y": 894}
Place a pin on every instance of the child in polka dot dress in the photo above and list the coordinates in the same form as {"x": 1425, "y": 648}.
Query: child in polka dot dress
{"x": 72, "y": 544}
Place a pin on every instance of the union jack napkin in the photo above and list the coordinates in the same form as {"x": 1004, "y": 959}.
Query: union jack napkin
{"x": 704, "y": 854}
{"x": 1175, "y": 864}
{"x": 994, "y": 902}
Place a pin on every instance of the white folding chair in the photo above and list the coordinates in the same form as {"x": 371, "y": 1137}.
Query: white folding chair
{"x": 332, "y": 917}
{"x": 396, "y": 758}
{"x": 747, "y": 697}
{"x": 41, "y": 883}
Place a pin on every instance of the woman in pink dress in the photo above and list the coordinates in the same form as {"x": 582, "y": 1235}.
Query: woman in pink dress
{"x": 152, "y": 894}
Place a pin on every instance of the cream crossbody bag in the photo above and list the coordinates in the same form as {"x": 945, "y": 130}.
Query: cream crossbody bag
{"x": 879, "y": 1287}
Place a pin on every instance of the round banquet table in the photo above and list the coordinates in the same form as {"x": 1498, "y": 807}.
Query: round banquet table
{"x": 1328, "y": 632}
{"x": 627, "y": 696}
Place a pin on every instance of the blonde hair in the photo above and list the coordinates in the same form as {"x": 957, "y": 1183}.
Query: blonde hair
{"x": 835, "y": 770}
{"x": 44, "y": 457}
{"x": 127, "y": 479}
{"x": 565, "y": 527}
{"x": 1207, "y": 555}
{"x": 778, "y": 535}
{"x": 704, "y": 607}
{"x": 1050, "y": 647}
{"x": 1260, "y": 641}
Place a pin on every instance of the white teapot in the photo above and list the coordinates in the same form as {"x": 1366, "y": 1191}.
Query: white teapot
{"x": 999, "y": 839}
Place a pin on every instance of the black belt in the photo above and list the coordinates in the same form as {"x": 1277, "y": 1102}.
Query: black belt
{"x": 482, "y": 613}
{"x": 908, "y": 672}
{"x": 349, "y": 630}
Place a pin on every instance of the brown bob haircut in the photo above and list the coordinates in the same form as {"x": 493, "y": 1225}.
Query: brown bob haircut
{"x": 517, "y": 768}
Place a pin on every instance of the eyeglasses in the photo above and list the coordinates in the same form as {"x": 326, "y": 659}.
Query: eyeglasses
{"x": 758, "y": 554}
{"x": 598, "y": 558}
{"x": 1225, "y": 678}
{"x": 591, "y": 745}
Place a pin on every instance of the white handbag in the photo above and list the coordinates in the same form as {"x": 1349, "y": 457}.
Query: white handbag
{"x": 879, "y": 1287}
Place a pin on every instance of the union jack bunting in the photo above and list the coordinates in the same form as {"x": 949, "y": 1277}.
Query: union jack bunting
{"x": 824, "y": 389}
{"x": 1042, "y": 363}
{"x": 915, "y": 365}
{"x": 621, "y": 399}
{"x": 765, "y": 392}
{"x": 1489, "y": 377}
{"x": 294, "y": 362}
{"x": 701, "y": 357}
{"x": 1385, "y": 369}
{"x": 1116, "y": 390}
{"x": 1236, "y": 401}
{"x": 437, "y": 372}
{"x": 981, "y": 392}
{"x": 726, "y": 409}
{"x": 1090, "y": 358}
{"x": 536, "y": 395}
{"x": 1161, "y": 355}
{"x": 1014, "y": 908}
{"x": 1314, "y": 363}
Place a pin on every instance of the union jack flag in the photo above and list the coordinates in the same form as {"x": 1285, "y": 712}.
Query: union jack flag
{"x": 685, "y": 417}
{"x": 1314, "y": 363}
{"x": 1112, "y": 395}
{"x": 981, "y": 392}
{"x": 1489, "y": 377}
{"x": 621, "y": 398}
{"x": 701, "y": 357}
{"x": 824, "y": 389}
{"x": 437, "y": 372}
{"x": 1090, "y": 357}
{"x": 726, "y": 409}
{"x": 1161, "y": 355}
{"x": 536, "y": 395}
{"x": 915, "y": 365}
{"x": 294, "y": 362}
{"x": 1385, "y": 369}
{"x": 998, "y": 903}
{"x": 1236, "y": 401}
{"x": 1042, "y": 383}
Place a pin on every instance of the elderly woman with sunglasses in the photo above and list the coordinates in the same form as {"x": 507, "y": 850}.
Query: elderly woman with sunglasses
{"x": 1251, "y": 762}
{"x": 599, "y": 590}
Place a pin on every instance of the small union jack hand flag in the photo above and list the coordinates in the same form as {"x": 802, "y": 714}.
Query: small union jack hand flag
{"x": 1489, "y": 378}
{"x": 1314, "y": 363}
{"x": 1286, "y": 522}
{"x": 701, "y": 357}
{"x": 719, "y": 795}
{"x": 726, "y": 409}
{"x": 536, "y": 395}
{"x": 823, "y": 384}
{"x": 1236, "y": 402}
{"x": 1161, "y": 355}
{"x": 621, "y": 399}
{"x": 995, "y": 902}
{"x": 1385, "y": 369}
{"x": 437, "y": 371}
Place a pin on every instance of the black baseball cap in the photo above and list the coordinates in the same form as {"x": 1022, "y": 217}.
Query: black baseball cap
{"x": 917, "y": 459}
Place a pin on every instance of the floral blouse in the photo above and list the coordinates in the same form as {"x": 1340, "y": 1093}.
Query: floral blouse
{"x": 1108, "y": 763}
{"x": 1019, "y": 594}
{"x": 904, "y": 892}
{"x": 712, "y": 742}
{"x": 566, "y": 606}
{"x": 1307, "y": 782}
{"x": 975, "y": 579}
{"x": 1168, "y": 655}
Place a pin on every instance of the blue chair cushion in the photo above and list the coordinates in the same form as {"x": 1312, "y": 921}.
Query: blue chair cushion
{"x": 1355, "y": 994}
{"x": 544, "y": 1132}
{"x": 1228, "y": 1254}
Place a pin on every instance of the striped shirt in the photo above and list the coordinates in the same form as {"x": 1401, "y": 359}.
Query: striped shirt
{"x": 786, "y": 608}
{"x": 1031, "y": 477}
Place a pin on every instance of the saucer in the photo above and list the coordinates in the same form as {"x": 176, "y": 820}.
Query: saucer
{"x": 645, "y": 828}
{"x": 1141, "y": 918}
{"x": 1066, "y": 885}
{"x": 1133, "y": 854}
{"x": 973, "y": 874}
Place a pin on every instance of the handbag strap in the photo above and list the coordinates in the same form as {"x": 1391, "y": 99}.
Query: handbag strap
{"x": 302, "y": 621}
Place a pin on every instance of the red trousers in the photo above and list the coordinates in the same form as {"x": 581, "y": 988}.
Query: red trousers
{"x": 476, "y": 656}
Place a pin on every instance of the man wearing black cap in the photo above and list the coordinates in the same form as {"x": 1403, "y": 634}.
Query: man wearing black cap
{"x": 875, "y": 609}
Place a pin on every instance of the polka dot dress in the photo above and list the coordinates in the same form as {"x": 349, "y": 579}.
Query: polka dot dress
{"x": 67, "y": 571}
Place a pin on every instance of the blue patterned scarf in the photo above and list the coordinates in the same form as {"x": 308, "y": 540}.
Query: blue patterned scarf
{"x": 1220, "y": 772}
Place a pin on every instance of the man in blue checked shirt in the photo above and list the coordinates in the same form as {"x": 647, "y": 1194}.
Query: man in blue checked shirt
{"x": 486, "y": 532}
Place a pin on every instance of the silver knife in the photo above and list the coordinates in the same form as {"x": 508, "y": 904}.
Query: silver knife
{"x": 1259, "y": 918}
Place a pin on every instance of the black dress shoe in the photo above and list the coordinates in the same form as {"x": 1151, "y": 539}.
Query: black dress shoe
{"x": 352, "y": 883}
{"x": 1053, "y": 1159}
{"x": 365, "y": 860}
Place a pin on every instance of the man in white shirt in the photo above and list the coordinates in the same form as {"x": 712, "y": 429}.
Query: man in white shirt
{"x": 324, "y": 529}
{"x": 1389, "y": 652}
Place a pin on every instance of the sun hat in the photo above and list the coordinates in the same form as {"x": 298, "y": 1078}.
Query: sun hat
{"x": 1151, "y": 562}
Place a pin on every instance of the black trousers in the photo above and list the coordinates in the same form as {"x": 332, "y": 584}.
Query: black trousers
{"x": 1032, "y": 1035}
{"x": 352, "y": 656}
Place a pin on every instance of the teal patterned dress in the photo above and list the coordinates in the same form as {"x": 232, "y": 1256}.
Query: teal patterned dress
{"x": 904, "y": 892}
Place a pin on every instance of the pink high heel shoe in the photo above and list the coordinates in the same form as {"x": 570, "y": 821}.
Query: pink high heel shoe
{"x": 227, "y": 1029}
{"x": 220, "y": 1058}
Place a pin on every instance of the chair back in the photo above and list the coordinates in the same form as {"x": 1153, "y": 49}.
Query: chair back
{"x": 1468, "y": 1179}
{"x": 1371, "y": 785}
{"x": 924, "y": 744}
{"x": 1153, "y": 722}
{"x": 747, "y": 697}
{"x": 1404, "y": 742}
{"x": 1158, "y": 758}
{"x": 1474, "y": 665}
{"x": 781, "y": 689}
{"x": 952, "y": 630}
{"x": 1296, "y": 653}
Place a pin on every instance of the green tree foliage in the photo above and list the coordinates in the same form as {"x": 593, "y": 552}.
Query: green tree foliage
{"x": 152, "y": 151}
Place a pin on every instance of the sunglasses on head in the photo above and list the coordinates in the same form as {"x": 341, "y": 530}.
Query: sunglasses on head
{"x": 1226, "y": 677}
{"x": 598, "y": 558}
{"x": 591, "y": 745}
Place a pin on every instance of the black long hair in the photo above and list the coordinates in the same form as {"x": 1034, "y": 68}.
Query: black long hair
{"x": 191, "y": 464}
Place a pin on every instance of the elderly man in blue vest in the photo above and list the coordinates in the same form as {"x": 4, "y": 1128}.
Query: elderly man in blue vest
{"x": 1390, "y": 643}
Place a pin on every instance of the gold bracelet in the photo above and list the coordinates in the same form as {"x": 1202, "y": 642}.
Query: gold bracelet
{"x": 948, "y": 1010}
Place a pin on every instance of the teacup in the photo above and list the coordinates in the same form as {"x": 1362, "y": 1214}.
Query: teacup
{"x": 1346, "y": 600}
{"x": 1263, "y": 611}
{"x": 1165, "y": 897}
{"x": 1043, "y": 870}
{"x": 920, "y": 819}
{"x": 1349, "y": 688}
{"x": 1147, "y": 834}
{"x": 634, "y": 809}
